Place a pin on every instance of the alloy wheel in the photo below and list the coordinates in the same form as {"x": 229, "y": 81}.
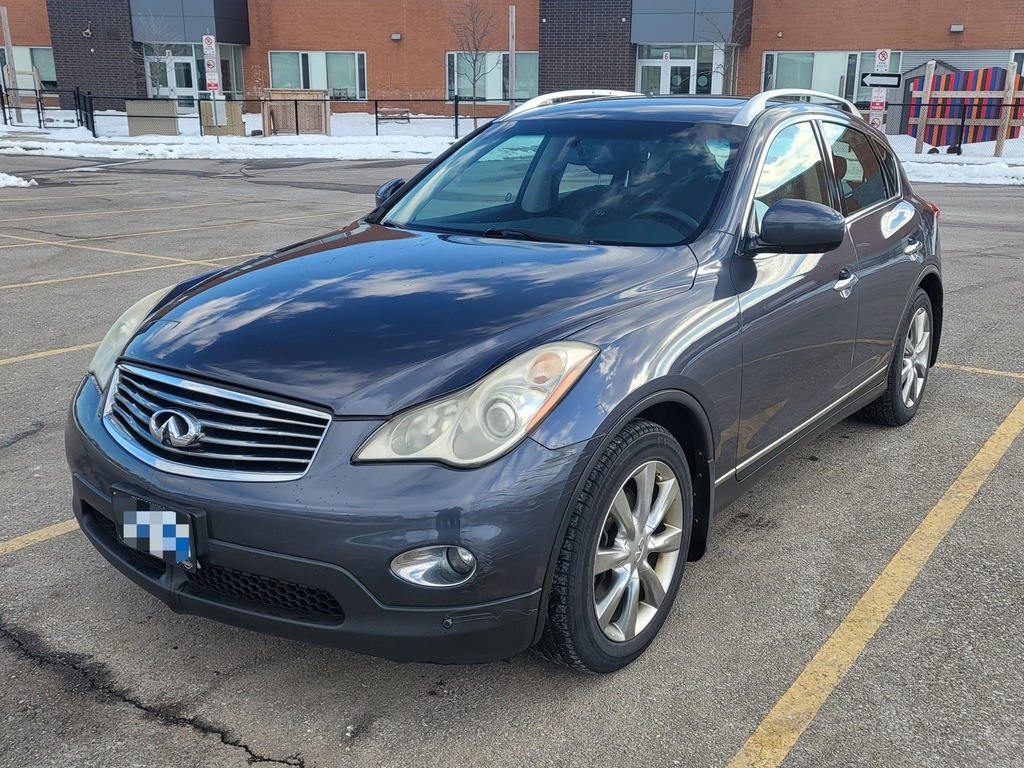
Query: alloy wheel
{"x": 916, "y": 354}
{"x": 637, "y": 551}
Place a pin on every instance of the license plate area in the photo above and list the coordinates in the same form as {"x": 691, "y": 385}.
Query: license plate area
{"x": 151, "y": 528}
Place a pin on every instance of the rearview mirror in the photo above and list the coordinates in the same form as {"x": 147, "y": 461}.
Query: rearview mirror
{"x": 387, "y": 189}
{"x": 801, "y": 225}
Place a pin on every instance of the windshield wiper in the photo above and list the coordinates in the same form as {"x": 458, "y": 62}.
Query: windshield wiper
{"x": 539, "y": 237}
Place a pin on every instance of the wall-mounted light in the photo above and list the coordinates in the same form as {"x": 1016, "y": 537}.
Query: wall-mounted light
{"x": 396, "y": 35}
{"x": 956, "y": 27}
{"x": 87, "y": 32}
{"x": 779, "y": 33}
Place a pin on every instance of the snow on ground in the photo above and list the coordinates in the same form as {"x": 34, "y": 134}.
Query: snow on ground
{"x": 353, "y": 138}
{"x": 7, "y": 180}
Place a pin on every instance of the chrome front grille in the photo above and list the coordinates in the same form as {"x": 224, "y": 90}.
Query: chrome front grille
{"x": 242, "y": 436}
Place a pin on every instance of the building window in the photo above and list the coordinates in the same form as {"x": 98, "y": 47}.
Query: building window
{"x": 24, "y": 60}
{"x": 341, "y": 73}
{"x": 489, "y": 73}
{"x": 788, "y": 70}
{"x": 837, "y": 72}
{"x": 1018, "y": 56}
{"x": 42, "y": 60}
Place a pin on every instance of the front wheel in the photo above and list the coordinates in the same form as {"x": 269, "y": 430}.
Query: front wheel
{"x": 908, "y": 370}
{"x": 623, "y": 553}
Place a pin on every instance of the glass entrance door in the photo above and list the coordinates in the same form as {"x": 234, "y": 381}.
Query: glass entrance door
{"x": 649, "y": 78}
{"x": 173, "y": 77}
{"x": 680, "y": 79}
{"x": 666, "y": 77}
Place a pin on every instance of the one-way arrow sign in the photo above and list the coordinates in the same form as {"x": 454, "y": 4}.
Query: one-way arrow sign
{"x": 881, "y": 79}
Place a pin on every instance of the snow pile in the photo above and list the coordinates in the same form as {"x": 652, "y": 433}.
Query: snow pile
{"x": 236, "y": 148}
{"x": 991, "y": 171}
{"x": 7, "y": 180}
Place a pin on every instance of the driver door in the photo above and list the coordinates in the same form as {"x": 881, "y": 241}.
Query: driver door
{"x": 798, "y": 331}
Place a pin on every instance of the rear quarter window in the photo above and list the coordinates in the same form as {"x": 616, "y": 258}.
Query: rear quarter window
{"x": 862, "y": 181}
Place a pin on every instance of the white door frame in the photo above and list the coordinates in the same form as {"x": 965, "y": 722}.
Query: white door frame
{"x": 188, "y": 98}
{"x": 717, "y": 69}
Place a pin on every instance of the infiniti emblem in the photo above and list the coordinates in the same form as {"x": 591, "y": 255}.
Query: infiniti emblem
{"x": 175, "y": 429}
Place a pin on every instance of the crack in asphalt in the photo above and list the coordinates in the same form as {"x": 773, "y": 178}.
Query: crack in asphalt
{"x": 76, "y": 669}
{"x": 35, "y": 429}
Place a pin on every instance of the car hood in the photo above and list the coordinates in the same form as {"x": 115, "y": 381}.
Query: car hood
{"x": 373, "y": 319}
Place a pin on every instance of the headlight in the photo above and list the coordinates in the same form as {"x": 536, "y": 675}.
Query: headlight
{"x": 117, "y": 338}
{"x": 487, "y": 419}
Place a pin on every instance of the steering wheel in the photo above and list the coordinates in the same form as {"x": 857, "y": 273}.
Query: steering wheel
{"x": 673, "y": 217}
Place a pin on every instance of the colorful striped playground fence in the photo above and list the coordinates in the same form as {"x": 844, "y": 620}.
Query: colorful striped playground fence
{"x": 967, "y": 107}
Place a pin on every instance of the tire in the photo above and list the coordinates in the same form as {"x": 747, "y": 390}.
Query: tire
{"x": 601, "y": 622}
{"x": 908, "y": 369}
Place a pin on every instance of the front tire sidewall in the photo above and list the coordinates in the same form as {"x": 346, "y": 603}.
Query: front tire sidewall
{"x": 598, "y": 652}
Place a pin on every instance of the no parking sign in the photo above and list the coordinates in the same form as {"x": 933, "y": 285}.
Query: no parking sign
{"x": 212, "y": 66}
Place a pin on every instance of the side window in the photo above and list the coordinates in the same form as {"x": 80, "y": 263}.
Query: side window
{"x": 862, "y": 182}
{"x": 793, "y": 168}
{"x": 892, "y": 174}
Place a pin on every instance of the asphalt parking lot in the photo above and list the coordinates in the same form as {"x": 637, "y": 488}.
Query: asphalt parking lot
{"x": 861, "y": 607}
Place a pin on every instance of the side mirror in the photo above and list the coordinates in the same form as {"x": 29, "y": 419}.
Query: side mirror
{"x": 801, "y": 225}
{"x": 387, "y": 189}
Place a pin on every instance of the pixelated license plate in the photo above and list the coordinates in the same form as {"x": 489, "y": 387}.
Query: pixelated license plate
{"x": 149, "y": 528}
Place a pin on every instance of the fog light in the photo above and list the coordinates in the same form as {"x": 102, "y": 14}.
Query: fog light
{"x": 435, "y": 566}
{"x": 461, "y": 560}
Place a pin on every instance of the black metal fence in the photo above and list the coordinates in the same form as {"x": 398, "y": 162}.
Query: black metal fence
{"x": 23, "y": 107}
{"x": 105, "y": 114}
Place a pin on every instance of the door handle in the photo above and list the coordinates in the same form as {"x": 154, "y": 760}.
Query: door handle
{"x": 913, "y": 248}
{"x": 844, "y": 285}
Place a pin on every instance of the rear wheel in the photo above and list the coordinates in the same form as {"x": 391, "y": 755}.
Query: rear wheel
{"x": 908, "y": 370}
{"x": 623, "y": 554}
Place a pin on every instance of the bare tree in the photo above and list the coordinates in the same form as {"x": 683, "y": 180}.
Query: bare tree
{"x": 729, "y": 42}
{"x": 472, "y": 24}
{"x": 157, "y": 35}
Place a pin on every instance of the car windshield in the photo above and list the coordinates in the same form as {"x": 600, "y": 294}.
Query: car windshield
{"x": 602, "y": 181}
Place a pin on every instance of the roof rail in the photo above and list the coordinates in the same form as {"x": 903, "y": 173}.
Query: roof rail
{"x": 563, "y": 96}
{"x": 759, "y": 103}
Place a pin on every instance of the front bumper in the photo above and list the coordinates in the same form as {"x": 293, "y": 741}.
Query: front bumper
{"x": 309, "y": 559}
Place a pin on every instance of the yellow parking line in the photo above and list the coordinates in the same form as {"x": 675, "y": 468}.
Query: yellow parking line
{"x": 238, "y": 223}
{"x": 64, "y": 244}
{"x": 43, "y": 534}
{"x": 769, "y": 745}
{"x": 48, "y": 353}
{"x": 23, "y": 199}
{"x": 120, "y": 212}
{"x": 986, "y": 371}
{"x": 54, "y": 280}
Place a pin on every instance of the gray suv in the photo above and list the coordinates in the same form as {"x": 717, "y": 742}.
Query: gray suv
{"x": 501, "y": 410}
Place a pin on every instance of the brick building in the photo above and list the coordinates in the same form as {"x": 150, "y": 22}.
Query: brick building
{"x": 408, "y": 49}
{"x": 828, "y": 51}
{"x": 354, "y": 49}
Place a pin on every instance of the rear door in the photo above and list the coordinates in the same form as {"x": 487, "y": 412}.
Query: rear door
{"x": 798, "y": 332}
{"x": 887, "y": 233}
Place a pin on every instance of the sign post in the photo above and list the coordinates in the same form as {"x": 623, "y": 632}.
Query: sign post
{"x": 212, "y": 66}
{"x": 878, "y": 94}
{"x": 11, "y": 70}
